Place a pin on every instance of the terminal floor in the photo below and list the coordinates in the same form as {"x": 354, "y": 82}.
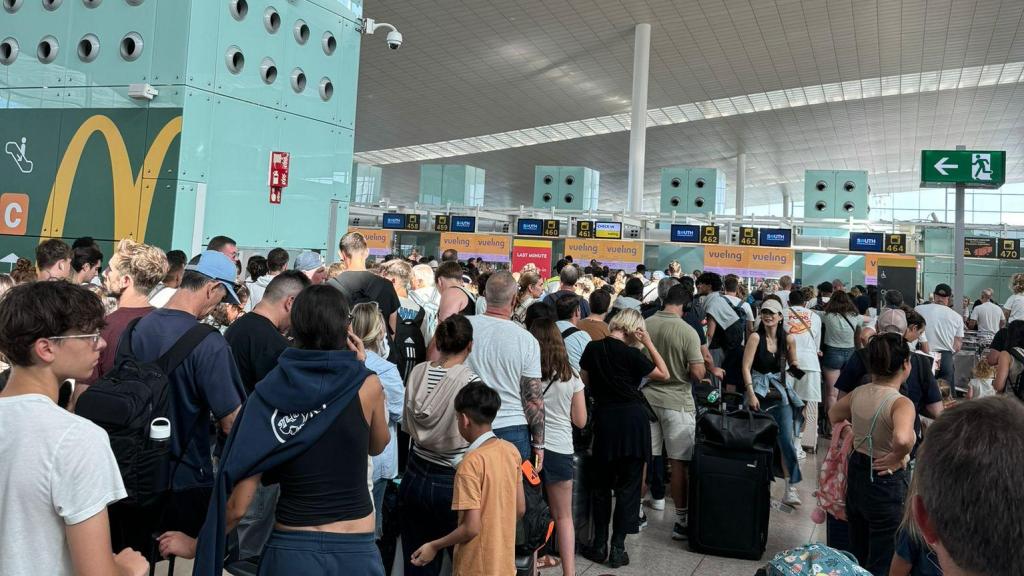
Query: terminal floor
{"x": 654, "y": 553}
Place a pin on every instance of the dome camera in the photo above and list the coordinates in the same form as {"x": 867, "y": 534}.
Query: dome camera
{"x": 820, "y": 186}
{"x": 394, "y": 37}
{"x": 394, "y": 40}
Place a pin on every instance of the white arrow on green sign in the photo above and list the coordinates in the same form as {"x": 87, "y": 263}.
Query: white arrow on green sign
{"x": 972, "y": 168}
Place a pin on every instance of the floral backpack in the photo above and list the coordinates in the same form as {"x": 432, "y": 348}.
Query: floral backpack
{"x": 831, "y": 493}
{"x": 814, "y": 560}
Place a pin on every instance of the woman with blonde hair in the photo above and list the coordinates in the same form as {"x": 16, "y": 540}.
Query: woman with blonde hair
{"x": 1013, "y": 308}
{"x": 613, "y": 370}
{"x": 531, "y": 288}
{"x": 368, "y": 325}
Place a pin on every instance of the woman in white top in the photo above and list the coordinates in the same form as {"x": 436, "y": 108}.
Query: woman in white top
{"x": 1014, "y": 305}
{"x": 564, "y": 407}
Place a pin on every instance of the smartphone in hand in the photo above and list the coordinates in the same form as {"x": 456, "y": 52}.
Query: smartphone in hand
{"x": 795, "y": 372}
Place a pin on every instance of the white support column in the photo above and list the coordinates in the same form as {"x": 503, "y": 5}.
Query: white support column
{"x": 741, "y": 180}
{"x": 638, "y": 127}
{"x": 787, "y": 202}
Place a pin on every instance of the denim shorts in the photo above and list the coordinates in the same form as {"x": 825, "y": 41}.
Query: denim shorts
{"x": 557, "y": 467}
{"x": 835, "y": 358}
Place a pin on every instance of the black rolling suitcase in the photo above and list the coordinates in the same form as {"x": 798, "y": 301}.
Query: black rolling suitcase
{"x": 730, "y": 484}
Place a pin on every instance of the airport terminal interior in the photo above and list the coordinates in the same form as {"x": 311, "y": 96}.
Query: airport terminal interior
{"x": 873, "y": 147}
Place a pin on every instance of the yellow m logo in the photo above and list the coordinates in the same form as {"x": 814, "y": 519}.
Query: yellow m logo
{"x": 133, "y": 195}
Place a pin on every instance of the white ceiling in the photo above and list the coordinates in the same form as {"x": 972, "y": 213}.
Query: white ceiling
{"x": 852, "y": 84}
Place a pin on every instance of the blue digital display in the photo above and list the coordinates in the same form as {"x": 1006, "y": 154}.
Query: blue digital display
{"x": 463, "y": 223}
{"x": 776, "y": 237}
{"x": 867, "y": 242}
{"x": 685, "y": 233}
{"x": 394, "y": 221}
{"x": 530, "y": 227}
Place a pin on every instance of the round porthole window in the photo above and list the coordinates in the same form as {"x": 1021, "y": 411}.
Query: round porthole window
{"x": 326, "y": 89}
{"x": 268, "y": 71}
{"x": 298, "y": 80}
{"x": 8, "y": 51}
{"x": 301, "y": 31}
{"x": 239, "y": 9}
{"x": 330, "y": 43}
{"x": 88, "y": 48}
{"x": 12, "y": 5}
{"x": 234, "y": 59}
{"x": 820, "y": 205}
{"x": 131, "y": 46}
{"x": 91, "y": 3}
{"x": 47, "y": 49}
{"x": 271, "y": 20}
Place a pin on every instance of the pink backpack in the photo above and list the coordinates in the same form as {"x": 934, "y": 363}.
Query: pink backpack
{"x": 831, "y": 493}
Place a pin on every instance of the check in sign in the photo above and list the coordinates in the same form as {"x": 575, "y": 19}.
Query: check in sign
{"x": 973, "y": 168}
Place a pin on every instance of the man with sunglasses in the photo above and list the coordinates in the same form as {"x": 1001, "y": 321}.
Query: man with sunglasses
{"x": 58, "y": 474}
{"x": 206, "y": 383}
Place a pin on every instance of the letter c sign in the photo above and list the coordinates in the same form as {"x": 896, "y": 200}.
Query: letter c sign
{"x": 13, "y": 214}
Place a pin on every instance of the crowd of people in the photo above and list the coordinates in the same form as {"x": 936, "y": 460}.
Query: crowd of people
{"x": 296, "y": 394}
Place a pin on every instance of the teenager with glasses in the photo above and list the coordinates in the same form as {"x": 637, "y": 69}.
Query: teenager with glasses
{"x": 58, "y": 473}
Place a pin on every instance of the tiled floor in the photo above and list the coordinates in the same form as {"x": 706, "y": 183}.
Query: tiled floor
{"x": 654, "y": 553}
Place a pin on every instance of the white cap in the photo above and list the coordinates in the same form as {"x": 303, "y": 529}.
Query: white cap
{"x": 160, "y": 429}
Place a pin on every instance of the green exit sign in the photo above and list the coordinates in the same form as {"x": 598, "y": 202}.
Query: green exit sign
{"x": 973, "y": 168}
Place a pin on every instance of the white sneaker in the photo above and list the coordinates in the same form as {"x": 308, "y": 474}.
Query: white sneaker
{"x": 800, "y": 454}
{"x": 791, "y": 498}
{"x": 655, "y": 504}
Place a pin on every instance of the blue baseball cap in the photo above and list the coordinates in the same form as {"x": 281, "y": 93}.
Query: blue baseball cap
{"x": 219, "y": 267}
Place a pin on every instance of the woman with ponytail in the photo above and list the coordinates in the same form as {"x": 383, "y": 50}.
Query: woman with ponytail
{"x": 883, "y": 429}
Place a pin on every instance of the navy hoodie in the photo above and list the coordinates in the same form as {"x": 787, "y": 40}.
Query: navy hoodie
{"x": 288, "y": 412}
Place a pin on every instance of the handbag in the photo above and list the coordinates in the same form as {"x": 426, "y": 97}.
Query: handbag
{"x": 738, "y": 430}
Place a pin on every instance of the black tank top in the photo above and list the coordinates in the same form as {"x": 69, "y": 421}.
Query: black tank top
{"x": 764, "y": 361}
{"x": 327, "y": 483}
{"x": 470, "y": 308}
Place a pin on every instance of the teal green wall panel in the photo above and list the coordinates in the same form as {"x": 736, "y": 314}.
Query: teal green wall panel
{"x": 205, "y": 52}
{"x": 184, "y": 221}
{"x": 29, "y": 25}
{"x": 110, "y": 23}
{"x": 197, "y": 135}
{"x": 346, "y": 67}
{"x": 169, "y": 46}
{"x": 545, "y": 186}
{"x": 431, "y": 184}
{"x": 816, "y": 267}
{"x": 658, "y": 257}
{"x": 851, "y": 187}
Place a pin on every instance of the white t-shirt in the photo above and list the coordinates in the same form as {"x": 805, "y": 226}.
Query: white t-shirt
{"x": 1015, "y": 304}
{"x": 735, "y": 301}
{"x": 504, "y": 353}
{"x": 161, "y": 297}
{"x": 943, "y": 325}
{"x": 57, "y": 470}
{"x": 988, "y": 316}
{"x": 557, "y": 414}
{"x": 807, "y": 340}
{"x": 784, "y": 295}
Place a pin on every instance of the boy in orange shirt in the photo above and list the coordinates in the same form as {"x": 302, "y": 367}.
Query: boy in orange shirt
{"x": 488, "y": 485}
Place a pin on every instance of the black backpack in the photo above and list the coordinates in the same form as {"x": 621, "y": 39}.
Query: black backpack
{"x": 1017, "y": 386}
{"x": 536, "y": 526}
{"x": 412, "y": 347}
{"x": 735, "y": 335}
{"x": 125, "y": 401}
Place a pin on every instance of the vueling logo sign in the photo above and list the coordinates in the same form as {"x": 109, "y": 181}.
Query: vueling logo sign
{"x": 133, "y": 196}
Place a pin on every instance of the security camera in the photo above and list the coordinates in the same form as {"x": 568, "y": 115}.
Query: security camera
{"x": 394, "y": 37}
{"x": 394, "y": 40}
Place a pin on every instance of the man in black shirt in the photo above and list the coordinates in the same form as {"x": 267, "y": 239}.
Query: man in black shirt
{"x": 256, "y": 342}
{"x": 256, "y": 338}
{"x": 359, "y": 285}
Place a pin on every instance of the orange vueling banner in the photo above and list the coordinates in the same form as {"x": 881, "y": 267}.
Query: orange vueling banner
{"x": 749, "y": 261}
{"x": 378, "y": 241}
{"x": 871, "y": 262}
{"x": 612, "y": 253}
{"x": 490, "y": 247}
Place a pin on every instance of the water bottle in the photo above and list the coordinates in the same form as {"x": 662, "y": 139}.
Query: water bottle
{"x": 713, "y": 397}
{"x": 160, "y": 431}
